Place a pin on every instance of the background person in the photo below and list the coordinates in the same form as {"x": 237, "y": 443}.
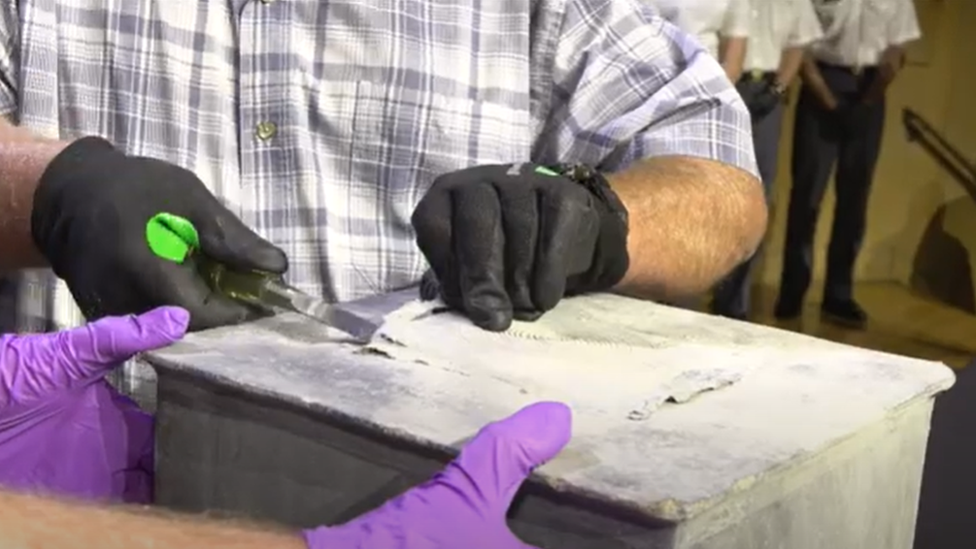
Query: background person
{"x": 721, "y": 26}
{"x": 840, "y": 120}
{"x": 779, "y": 34}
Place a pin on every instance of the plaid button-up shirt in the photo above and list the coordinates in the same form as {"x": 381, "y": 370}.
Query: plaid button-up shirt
{"x": 322, "y": 122}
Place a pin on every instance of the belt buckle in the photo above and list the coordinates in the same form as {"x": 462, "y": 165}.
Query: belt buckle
{"x": 757, "y": 75}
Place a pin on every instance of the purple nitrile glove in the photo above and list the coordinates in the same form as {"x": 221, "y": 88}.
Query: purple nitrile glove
{"x": 63, "y": 428}
{"x": 463, "y": 506}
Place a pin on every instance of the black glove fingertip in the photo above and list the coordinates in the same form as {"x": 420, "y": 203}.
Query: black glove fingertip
{"x": 264, "y": 256}
{"x": 488, "y": 309}
{"x": 527, "y": 316}
{"x": 430, "y": 288}
{"x": 237, "y": 246}
{"x": 491, "y": 320}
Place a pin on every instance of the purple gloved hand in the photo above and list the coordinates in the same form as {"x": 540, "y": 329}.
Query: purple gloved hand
{"x": 464, "y": 505}
{"x": 63, "y": 428}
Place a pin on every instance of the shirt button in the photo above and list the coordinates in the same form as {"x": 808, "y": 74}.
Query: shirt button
{"x": 266, "y": 130}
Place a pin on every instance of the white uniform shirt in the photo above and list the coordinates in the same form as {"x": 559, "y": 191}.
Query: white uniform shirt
{"x": 707, "y": 20}
{"x": 857, "y": 32}
{"x": 778, "y": 25}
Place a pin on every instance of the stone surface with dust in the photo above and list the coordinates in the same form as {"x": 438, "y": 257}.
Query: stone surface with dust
{"x": 673, "y": 410}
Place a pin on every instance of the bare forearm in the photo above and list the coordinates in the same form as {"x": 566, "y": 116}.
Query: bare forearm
{"x": 891, "y": 63}
{"x": 733, "y": 55}
{"x": 23, "y": 158}
{"x": 691, "y": 221}
{"x": 789, "y": 65}
{"x": 28, "y": 522}
{"x": 812, "y": 78}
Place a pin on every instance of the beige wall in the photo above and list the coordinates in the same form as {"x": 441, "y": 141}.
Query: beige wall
{"x": 940, "y": 84}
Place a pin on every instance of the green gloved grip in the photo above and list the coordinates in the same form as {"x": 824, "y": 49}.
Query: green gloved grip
{"x": 175, "y": 239}
{"x": 171, "y": 237}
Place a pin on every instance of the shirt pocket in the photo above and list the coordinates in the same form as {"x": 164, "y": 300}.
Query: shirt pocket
{"x": 379, "y": 147}
{"x": 403, "y": 138}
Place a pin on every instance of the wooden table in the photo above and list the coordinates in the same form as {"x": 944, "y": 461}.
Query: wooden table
{"x": 804, "y": 443}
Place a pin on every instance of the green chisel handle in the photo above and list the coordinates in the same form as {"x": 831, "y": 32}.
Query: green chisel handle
{"x": 174, "y": 238}
{"x": 252, "y": 287}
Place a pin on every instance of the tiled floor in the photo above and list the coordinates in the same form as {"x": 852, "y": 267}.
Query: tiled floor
{"x": 901, "y": 323}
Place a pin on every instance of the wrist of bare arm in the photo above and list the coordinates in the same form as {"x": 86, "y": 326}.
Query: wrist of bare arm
{"x": 891, "y": 63}
{"x": 823, "y": 94}
{"x": 812, "y": 79}
{"x": 732, "y": 52}
{"x": 888, "y": 68}
{"x": 23, "y": 158}
{"x": 790, "y": 65}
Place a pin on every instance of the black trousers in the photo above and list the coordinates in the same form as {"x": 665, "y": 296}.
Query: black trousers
{"x": 849, "y": 137}
{"x": 732, "y": 295}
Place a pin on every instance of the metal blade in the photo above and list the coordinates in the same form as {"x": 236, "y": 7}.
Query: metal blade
{"x": 332, "y": 315}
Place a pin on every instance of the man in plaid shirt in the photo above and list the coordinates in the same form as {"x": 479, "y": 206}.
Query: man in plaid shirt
{"x": 322, "y": 124}
{"x": 522, "y": 150}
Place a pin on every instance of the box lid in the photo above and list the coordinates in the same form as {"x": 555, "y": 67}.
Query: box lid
{"x": 673, "y": 410}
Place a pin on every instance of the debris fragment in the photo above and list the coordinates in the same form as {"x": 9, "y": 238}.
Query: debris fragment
{"x": 684, "y": 387}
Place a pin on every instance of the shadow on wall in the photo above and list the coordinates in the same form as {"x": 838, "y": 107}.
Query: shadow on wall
{"x": 942, "y": 269}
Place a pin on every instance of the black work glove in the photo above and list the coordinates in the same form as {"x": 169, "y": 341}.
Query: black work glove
{"x": 763, "y": 102}
{"x": 510, "y": 241}
{"x": 91, "y": 209}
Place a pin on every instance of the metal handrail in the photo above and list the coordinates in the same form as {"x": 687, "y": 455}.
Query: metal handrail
{"x": 921, "y": 132}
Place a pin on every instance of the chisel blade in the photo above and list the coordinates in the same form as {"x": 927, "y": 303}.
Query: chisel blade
{"x": 330, "y": 314}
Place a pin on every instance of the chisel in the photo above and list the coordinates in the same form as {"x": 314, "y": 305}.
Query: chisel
{"x": 175, "y": 238}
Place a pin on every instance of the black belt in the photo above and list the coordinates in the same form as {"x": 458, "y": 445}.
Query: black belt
{"x": 856, "y": 71}
{"x": 757, "y": 76}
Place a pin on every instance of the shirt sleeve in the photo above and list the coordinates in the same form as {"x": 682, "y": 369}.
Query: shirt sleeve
{"x": 9, "y": 58}
{"x": 627, "y": 85}
{"x": 806, "y": 27}
{"x": 737, "y": 21}
{"x": 903, "y": 26}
